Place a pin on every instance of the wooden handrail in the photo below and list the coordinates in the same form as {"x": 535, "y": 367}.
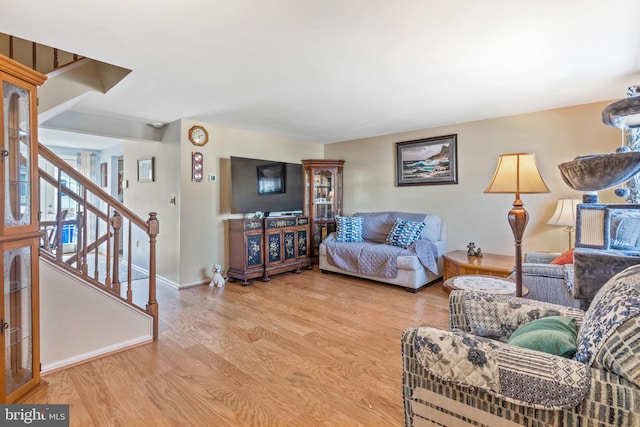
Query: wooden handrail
{"x": 104, "y": 228}
{"x": 87, "y": 183}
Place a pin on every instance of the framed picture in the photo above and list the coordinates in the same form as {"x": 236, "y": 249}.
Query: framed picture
{"x": 145, "y": 170}
{"x": 427, "y": 161}
{"x": 271, "y": 178}
{"x": 103, "y": 174}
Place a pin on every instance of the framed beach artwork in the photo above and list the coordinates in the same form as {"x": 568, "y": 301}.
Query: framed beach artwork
{"x": 427, "y": 161}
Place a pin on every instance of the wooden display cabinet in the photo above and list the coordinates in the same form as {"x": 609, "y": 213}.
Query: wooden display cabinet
{"x": 287, "y": 245}
{"x": 262, "y": 247}
{"x": 246, "y": 249}
{"x": 322, "y": 198}
{"x": 19, "y": 232}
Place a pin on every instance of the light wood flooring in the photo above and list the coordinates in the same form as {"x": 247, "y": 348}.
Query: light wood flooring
{"x": 306, "y": 349}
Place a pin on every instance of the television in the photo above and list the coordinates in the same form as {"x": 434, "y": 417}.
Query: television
{"x": 266, "y": 186}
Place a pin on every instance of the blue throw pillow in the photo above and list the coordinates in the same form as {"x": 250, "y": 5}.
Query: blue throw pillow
{"x": 404, "y": 233}
{"x": 349, "y": 229}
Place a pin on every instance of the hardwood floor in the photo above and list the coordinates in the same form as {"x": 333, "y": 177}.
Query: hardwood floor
{"x": 301, "y": 350}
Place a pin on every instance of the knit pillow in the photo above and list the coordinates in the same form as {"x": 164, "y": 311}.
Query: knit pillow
{"x": 349, "y": 228}
{"x": 404, "y": 233}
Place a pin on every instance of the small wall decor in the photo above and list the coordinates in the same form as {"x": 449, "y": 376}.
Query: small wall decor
{"x": 427, "y": 161}
{"x": 145, "y": 170}
{"x": 197, "y": 166}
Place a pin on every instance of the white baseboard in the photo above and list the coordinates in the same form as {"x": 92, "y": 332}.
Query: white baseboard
{"x": 96, "y": 353}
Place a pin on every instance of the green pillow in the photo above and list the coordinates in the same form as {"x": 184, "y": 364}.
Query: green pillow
{"x": 554, "y": 334}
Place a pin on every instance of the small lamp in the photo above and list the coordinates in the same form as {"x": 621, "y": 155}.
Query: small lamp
{"x": 565, "y": 215}
{"x": 517, "y": 173}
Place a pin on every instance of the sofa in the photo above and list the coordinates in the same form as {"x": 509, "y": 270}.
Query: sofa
{"x": 476, "y": 374}
{"x": 372, "y": 256}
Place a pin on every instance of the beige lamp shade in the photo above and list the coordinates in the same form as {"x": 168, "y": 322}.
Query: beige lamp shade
{"x": 565, "y": 213}
{"x": 517, "y": 173}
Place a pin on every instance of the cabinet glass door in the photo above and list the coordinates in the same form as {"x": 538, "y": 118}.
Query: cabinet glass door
{"x": 17, "y": 155}
{"x": 323, "y": 197}
{"x": 17, "y": 318}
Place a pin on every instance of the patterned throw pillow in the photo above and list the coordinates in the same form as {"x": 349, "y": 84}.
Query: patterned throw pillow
{"x": 349, "y": 228}
{"x": 616, "y": 303}
{"x": 404, "y": 233}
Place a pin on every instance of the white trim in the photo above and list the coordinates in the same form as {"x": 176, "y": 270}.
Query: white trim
{"x": 194, "y": 284}
{"x": 165, "y": 281}
{"x": 159, "y": 279}
{"x": 96, "y": 353}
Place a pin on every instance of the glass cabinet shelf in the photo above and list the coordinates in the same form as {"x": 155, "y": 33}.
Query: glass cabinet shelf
{"x": 323, "y": 198}
{"x": 19, "y": 232}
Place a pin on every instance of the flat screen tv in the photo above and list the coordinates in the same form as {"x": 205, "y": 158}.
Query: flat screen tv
{"x": 265, "y": 186}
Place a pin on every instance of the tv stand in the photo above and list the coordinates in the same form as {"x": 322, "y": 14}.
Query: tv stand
{"x": 266, "y": 246}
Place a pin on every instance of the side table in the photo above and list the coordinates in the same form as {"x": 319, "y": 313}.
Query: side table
{"x": 458, "y": 263}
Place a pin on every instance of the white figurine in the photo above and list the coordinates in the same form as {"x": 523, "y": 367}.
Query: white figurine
{"x": 218, "y": 280}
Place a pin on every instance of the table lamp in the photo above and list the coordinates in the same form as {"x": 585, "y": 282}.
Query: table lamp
{"x": 517, "y": 173}
{"x": 565, "y": 215}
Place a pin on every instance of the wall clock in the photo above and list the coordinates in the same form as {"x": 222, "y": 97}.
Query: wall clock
{"x": 198, "y": 135}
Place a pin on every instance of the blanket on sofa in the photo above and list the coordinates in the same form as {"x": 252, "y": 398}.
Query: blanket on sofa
{"x": 378, "y": 259}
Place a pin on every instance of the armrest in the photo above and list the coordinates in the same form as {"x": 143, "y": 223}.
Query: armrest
{"x": 523, "y": 376}
{"x": 540, "y": 257}
{"x": 546, "y": 270}
{"x": 497, "y": 316}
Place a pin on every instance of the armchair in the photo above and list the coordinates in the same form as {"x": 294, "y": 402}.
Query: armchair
{"x": 470, "y": 375}
{"x": 552, "y": 283}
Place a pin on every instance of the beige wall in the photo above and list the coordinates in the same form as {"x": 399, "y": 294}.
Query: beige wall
{"x": 555, "y": 136}
{"x": 204, "y": 206}
{"x": 193, "y": 233}
{"x": 146, "y": 197}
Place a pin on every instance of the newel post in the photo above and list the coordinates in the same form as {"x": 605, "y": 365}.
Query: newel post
{"x": 152, "y": 305}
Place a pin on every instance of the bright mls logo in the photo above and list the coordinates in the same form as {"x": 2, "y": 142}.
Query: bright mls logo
{"x": 34, "y": 415}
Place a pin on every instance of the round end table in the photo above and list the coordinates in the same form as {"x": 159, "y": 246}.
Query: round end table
{"x": 489, "y": 284}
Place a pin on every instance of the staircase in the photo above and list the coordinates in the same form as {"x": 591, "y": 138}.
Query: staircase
{"x": 91, "y": 235}
{"x": 86, "y": 232}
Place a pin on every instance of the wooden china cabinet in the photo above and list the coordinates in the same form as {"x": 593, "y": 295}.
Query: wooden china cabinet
{"x": 19, "y": 232}
{"x": 322, "y": 198}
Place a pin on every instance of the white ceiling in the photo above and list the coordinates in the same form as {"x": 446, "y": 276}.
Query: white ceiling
{"x": 334, "y": 70}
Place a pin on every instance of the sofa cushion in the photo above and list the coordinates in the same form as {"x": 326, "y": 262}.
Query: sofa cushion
{"x": 554, "y": 334}
{"x": 432, "y": 226}
{"x": 613, "y": 317}
{"x": 349, "y": 228}
{"x": 404, "y": 233}
{"x": 376, "y": 225}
